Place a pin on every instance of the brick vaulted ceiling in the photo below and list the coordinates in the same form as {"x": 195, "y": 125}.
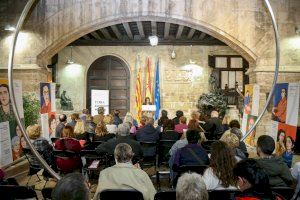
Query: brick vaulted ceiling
{"x": 137, "y": 33}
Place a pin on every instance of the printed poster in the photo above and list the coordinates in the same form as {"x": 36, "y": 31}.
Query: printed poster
{"x": 6, "y": 156}
{"x": 250, "y": 121}
{"x": 251, "y": 99}
{"x": 100, "y": 98}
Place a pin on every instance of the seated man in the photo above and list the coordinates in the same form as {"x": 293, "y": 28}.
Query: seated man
{"x": 148, "y": 133}
{"x": 71, "y": 187}
{"x": 278, "y": 171}
{"x": 124, "y": 175}
{"x": 123, "y": 136}
{"x": 191, "y": 186}
{"x": 213, "y": 126}
{"x": 192, "y": 153}
{"x": 252, "y": 180}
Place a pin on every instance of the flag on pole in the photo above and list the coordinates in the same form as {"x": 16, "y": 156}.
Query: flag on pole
{"x": 138, "y": 92}
{"x": 148, "y": 81}
{"x": 157, "y": 90}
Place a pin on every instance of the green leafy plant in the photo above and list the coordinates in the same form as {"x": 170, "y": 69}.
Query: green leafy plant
{"x": 31, "y": 107}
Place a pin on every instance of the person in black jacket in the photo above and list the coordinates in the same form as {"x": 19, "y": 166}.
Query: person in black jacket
{"x": 148, "y": 133}
{"x": 179, "y": 114}
{"x": 213, "y": 126}
{"x": 123, "y": 136}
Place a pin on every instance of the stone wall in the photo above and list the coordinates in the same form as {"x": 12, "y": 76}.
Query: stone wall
{"x": 179, "y": 89}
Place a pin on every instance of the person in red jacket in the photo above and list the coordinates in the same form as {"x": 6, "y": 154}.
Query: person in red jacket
{"x": 68, "y": 142}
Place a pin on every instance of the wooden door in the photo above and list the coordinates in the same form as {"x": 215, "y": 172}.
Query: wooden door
{"x": 110, "y": 73}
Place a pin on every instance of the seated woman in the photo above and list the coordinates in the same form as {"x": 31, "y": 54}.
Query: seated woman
{"x": 41, "y": 145}
{"x": 182, "y": 125}
{"x": 169, "y": 133}
{"x": 252, "y": 181}
{"x": 164, "y": 117}
{"x": 111, "y": 128}
{"x": 68, "y": 142}
{"x": 129, "y": 120}
{"x": 101, "y": 133}
{"x": 90, "y": 125}
{"x": 80, "y": 131}
{"x": 219, "y": 175}
{"x": 233, "y": 142}
{"x": 124, "y": 175}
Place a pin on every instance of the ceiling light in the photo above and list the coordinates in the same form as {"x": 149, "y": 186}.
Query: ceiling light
{"x": 70, "y": 61}
{"x": 9, "y": 28}
{"x": 153, "y": 40}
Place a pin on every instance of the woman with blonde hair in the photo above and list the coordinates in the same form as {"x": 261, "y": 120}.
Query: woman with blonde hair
{"x": 80, "y": 131}
{"x": 101, "y": 133}
{"x": 68, "y": 143}
{"x": 233, "y": 142}
{"x": 129, "y": 120}
{"x": 108, "y": 120}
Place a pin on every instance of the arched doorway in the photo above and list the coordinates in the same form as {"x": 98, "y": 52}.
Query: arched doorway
{"x": 110, "y": 73}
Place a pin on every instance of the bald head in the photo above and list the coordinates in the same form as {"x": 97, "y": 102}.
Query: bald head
{"x": 214, "y": 114}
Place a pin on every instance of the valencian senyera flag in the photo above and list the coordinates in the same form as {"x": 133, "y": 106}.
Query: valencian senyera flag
{"x": 157, "y": 90}
{"x": 138, "y": 92}
{"x": 148, "y": 81}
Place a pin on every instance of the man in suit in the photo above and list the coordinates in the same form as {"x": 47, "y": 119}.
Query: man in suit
{"x": 213, "y": 126}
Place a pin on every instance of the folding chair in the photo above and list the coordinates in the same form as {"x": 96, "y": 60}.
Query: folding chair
{"x": 149, "y": 154}
{"x": 121, "y": 194}
{"x": 165, "y": 195}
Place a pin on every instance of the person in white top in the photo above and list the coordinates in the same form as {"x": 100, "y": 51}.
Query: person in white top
{"x": 219, "y": 175}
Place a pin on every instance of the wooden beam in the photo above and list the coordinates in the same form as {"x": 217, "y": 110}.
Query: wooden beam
{"x": 154, "y": 28}
{"x": 141, "y": 29}
{"x": 95, "y": 35}
{"x": 191, "y": 33}
{"x": 86, "y": 37}
{"x": 167, "y": 30}
{"x": 202, "y": 35}
{"x": 179, "y": 31}
{"x": 128, "y": 31}
{"x": 106, "y": 34}
{"x": 116, "y": 32}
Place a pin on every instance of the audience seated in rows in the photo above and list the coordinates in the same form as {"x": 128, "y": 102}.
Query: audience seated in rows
{"x": 148, "y": 133}
{"x": 100, "y": 116}
{"x": 168, "y": 132}
{"x": 278, "y": 172}
{"x": 72, "y": 186}
{"x": 41, "y": 145}
{"x": 233, "y": 142}
{"x": 124, "y": 175}
{"x": 219, "y": 175}
{"x": 181, "y": 126}
{"x": 101, "y": 133}
{"x": 111, "y": 128}
{"x": 68, "y": 142}
{"x": 59, "y": 128}
{"x": 213, "y": 127}
{"x": 164, "y": 117}
{"x": 74, "y": 117}
{"x": 191, "y": 186}
{"x": 253, "y": 181}
{"x": 235, "y": 126}
{"x": 179, "y": 114}
{"x": 123, "y": 136}
{"x": 90, "y": 125}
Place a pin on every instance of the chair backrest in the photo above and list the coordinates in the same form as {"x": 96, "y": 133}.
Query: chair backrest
{"x": 192, "y": 168}
{"x": 32, "y": 160}
{"x": 207, "y": 144}
{"x": 149, "y": 148}
{"x": 165, "y": 195}
{"x": 286, "y": 192}
{"x": 46, "y": 192}
{"x": 223, "y": 194}
{"x": 163, "y": 149}
{"x": 17, "y": 192}
{"x": 121, "y": 194}
{"x": 64, "y": 154}
{"x": 53, "y": 140}
{"x": 93, "y": 145}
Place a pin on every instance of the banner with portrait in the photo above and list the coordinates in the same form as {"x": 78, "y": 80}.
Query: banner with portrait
{"x": 11, "y": 135}
{"x": 285, "y": 113}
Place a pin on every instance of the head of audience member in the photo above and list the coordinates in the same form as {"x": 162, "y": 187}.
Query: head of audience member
{"x": 123, "y": 129}
{"x": 89, "y": 118}
{"x": 100, "y": 110}
{"x": 193, "y": 124}
{"x": 123, "y": 153}
{"x": 231, "y": 140}
{"x": 192, "y": 136}
{"x": 101, "y": 129}
{"x": 62, "y": 118}
{"x": 281, "y": 136}
{"x": 182, "y": 120}
{"x": 222, "y": 162}
{"x": 214, "y": 114}
{"x": 226, "y": 119}
{"x": 128, "y": 119}
{"x": 34, "y": 131}
{"x": 80, "y": 127}
{"x": 169, "y": 125}
{"x": 234, "y": 124}
{"x": 179, "y": 113}
{"x": 150, "y": 121}
{"x": 68, "y": 132}
{"x": 72, "y": 186}
{"x": 250, "y": 175}
{"x": 195, "y": 115}
{"x": 85, "y": 111}
{"x": 289, "y": 143}
{"x": 265, "y": 146}
{"x": 143, "y": 120}
{"x": 237, "y": 132}
{"x": 74, "y": 116}
{"x": 116, "y": 113}
{"x": 108, "y": 119}
{"x": 191, "y": 186}
{"x": 164, "y": 114}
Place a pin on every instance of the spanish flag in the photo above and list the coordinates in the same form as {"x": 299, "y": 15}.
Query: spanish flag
{"x": 148, "y": 81}
{"x": 138, "y": 92}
